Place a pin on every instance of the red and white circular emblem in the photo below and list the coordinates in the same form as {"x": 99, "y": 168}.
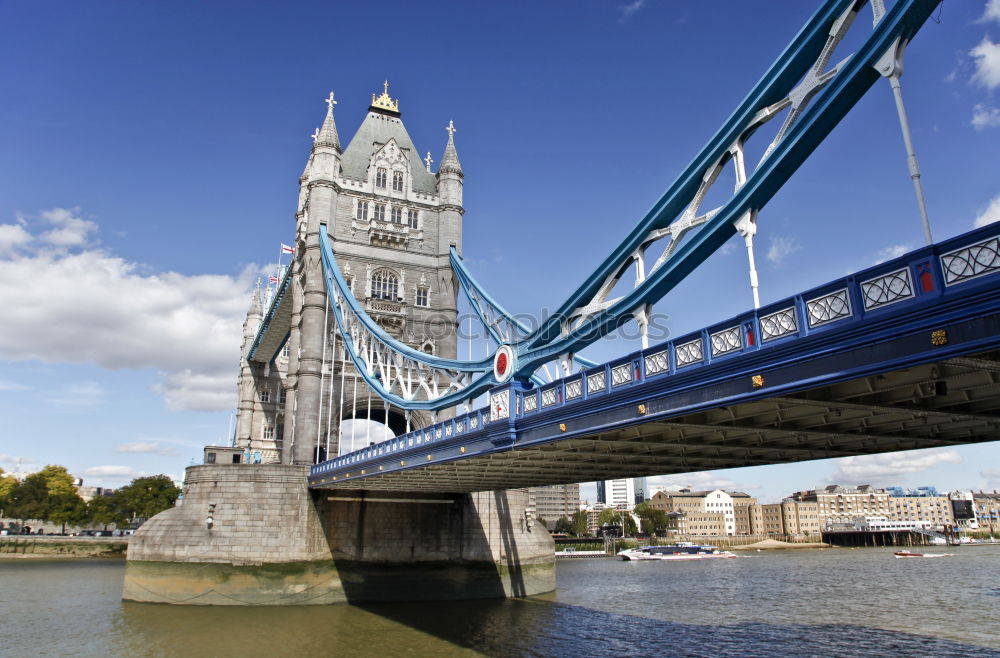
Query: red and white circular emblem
{"x": 503, "y": 363}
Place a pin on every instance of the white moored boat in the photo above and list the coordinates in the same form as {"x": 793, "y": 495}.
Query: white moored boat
{"x": 683, "y": 551}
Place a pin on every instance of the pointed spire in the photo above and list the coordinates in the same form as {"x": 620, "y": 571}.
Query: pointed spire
{"x": 449, "y": 161}
{"x": 256, "y": 308}
{"x": 327, "y": 135}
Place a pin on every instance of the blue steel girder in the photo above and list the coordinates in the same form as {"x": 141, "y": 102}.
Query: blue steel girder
{"x": 817, "y": 98}
{"x": 388, "y": 365}
{"x": 905, "y": 321}
{"x": 503, "y": 327}
{"x": 841, "y": 91}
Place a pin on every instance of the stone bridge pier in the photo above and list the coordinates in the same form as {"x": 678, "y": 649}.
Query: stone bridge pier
{"x": 255, "y": 535}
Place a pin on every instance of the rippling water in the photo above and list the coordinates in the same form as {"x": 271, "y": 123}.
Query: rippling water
{"x": 805, "y": 603}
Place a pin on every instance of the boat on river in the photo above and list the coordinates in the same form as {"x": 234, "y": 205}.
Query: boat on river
{"x": 683, "y": 551}
{"x": 902, "y": 554}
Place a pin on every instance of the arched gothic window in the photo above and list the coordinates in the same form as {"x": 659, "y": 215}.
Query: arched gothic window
{"x": 385, "y": 285}
{"x": 380, "y": 177}
{"x": 397, "y": 181}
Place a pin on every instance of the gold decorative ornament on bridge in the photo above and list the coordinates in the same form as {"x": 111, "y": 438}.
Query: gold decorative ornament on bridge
{"x": 757, "y": 381}
{"x": 939, "y": 337}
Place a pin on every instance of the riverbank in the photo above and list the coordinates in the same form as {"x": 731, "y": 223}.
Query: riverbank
{"x": 40, "y": 546}
{"x": 774, "y": 544}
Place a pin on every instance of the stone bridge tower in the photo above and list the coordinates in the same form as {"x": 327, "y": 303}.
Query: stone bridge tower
{"x": 392, "y": 222}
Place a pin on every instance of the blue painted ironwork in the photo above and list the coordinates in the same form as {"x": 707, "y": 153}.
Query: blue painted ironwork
{"x": 651, "y": 372}
{"x": 501, "y": 325}
{"x": 817, "y": 99}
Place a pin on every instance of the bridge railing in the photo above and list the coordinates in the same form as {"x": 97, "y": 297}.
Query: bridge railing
{"x": 952, "y": 268}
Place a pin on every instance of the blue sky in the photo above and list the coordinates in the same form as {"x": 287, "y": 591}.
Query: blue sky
{"x": 151, "y": 153}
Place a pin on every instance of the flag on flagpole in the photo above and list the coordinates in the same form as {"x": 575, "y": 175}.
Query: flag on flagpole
{"x": 285, "y": 249}
{"x": 272, "y": 279}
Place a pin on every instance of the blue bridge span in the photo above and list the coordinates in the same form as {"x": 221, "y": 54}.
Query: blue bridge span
{"x": 899, "y": 356}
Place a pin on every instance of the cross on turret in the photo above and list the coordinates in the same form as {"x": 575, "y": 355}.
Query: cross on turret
{"x": 330, "y": 102}
{"x": 451, "y": 129}
{"x": 428, "y": 160}
{"x": 315, "y": 135}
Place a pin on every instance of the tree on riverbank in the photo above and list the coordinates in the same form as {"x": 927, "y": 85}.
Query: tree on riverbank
{"x": 144, "y": 498}
{"x": 7, "y": 483}
{"x": 49, "y": 495}
{"x": 654, "y": 521}
{"x": 101, "y": 511}
{"x": 581, "y": 527}
{"x": 611, "y": 516}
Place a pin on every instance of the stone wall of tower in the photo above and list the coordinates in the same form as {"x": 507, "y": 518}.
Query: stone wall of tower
{"x": 260, "y": 410}
{"x": 424, "y": 313}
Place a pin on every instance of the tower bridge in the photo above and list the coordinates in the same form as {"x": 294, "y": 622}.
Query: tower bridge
{"x": 900, "y": 356}
{"x": 363, "y": 326}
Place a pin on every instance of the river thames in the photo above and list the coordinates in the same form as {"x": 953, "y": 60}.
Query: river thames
{"x": 833, "y": 602}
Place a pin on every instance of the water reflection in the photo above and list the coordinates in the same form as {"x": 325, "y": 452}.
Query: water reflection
{"x": 858, "y": 603}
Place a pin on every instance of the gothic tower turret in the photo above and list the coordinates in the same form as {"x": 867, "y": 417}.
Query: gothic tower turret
{"x": 391, "y": 223}
{"x": 247, "y": 388}
{"x": 449, "y": 185}
{"x": 318, "y": 205}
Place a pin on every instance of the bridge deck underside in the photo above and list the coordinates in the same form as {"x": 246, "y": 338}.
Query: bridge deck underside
{"x": 946, "y": 403}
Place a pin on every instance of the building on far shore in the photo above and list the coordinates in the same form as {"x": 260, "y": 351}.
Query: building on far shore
{"x": 921, "y": 504}
{"x": 619, "y": 494}
{"x": 710, "y": 513}
{"x": 809, "y": 513}
{"x": 555, "y": 502}
{"x": 986, "y": 507}
{"x": 90, "y": 493}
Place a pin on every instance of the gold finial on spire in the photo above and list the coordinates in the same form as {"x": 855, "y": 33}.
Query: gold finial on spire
{"x": 383, "y": 102}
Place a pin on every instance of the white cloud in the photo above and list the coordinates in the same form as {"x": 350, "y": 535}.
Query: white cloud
{"x": 12, "y": 236}
{"x": 987, "y": 56}
{"x": 992, "y": 11}
{"x": 781, "y": 248}
{"x": 991, "y": 477}
{"x": 109, "y": 475}
{"x": 198, "y": 391}
{"x": 889, "y": 468}
{"x": 7, "y": 385}
{"x": 146, "y": 447}
{"x": 985, "y": 116}
{"x": 81, "y": 394}
{"x": 67, "y": 230}
{"x": 893, "y": 251}
{"x": 630, "y": 9}
{"x": 110, "y": 470}
{"x": 705, "y": 480}
{"x": 359, "y": 433}
{"x": 15, "y": 459}
{"x": 990, "y": 213}
{"x": 84, "y": 305}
